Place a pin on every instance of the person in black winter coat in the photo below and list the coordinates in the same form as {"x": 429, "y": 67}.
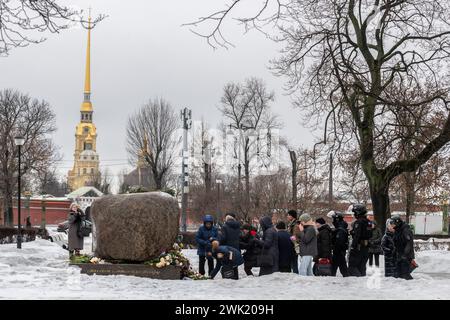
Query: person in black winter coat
{"x": 248, "y": 242}
{"x": 228, "y": 261}
{"x": 404, "y": 248}
{"x": 339, "y": 243}
{"x": 285, "y": 248}
{"x": 203, "y": 238}
{"x": 375, "y": 245}
{"x": 269, "y": 245}
{"x": 323, "y": 242}
{"x": 388, "y": 247}
{"x": 230, "y": 232}
{"x": 361, "y": 233}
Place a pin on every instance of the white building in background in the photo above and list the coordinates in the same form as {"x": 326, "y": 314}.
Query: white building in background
{"x": 84, "y": 196}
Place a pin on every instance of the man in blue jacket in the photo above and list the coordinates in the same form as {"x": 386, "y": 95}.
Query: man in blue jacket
{"x": 204, "y": 236}
{"x": 228, "y": 260}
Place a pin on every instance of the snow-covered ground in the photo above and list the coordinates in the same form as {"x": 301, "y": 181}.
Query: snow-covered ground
{"x": 41, "y": 271}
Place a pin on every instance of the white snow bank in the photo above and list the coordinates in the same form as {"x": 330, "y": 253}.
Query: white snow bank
{"x": 433, "y": 261}
{"x": 41, "y": 271}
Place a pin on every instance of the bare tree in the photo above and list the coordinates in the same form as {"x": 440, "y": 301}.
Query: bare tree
{"x": 246, "y": 108}
{"x": 22, "y": 22}
{"x": 157, "y": 123}
{"x": 355, "y": 63}
{"x": 35, "y": 121}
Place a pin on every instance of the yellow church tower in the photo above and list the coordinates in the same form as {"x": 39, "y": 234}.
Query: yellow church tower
{"x": 86, "y": 161}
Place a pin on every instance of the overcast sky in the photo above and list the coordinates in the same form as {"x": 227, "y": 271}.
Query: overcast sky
{"x": 141, "y": 51}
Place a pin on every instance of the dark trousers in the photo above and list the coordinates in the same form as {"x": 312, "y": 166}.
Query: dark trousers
{"x": 338, "y": 261}
{"x": 265, "y": 271}
{"x": 403, "y": 270}
{"x": 294, "y": 264}
{"x": 248, "y": 270}
{"x": 377, "y": 259}
{"x": 286, "y": 269}
{"x": 357, "y": 262}
{"x": 201, "y": 264}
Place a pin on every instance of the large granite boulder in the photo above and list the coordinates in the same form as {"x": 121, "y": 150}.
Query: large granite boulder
{"x": 134, "y": 227}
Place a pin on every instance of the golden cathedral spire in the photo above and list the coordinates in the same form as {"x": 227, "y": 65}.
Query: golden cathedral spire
{"x": 87, "y": 81}
{"x": 86, "y": 160}
{"x": 87, "y": 105}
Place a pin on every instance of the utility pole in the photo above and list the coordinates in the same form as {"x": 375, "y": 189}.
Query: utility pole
{"x": 330, "y": 184}
{"x": 186, "y": 115}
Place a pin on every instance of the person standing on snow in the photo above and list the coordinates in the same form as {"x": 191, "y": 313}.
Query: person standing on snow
{"x": 339, "y": 242}
{"x": 308, "y": 244}
{"x": 375, "y": 245}
{"x": 293, "y": 231}
{"x": 204, "y": 235}
{"x": 228, "y": 260}
{"x": 268, "y": 259}
{"x": 361, "y": 233}
{"x": 388, "y": 247}
{"x": 76, "y": 240}
{"x": 404, "y": 247}
{"x": 248, "y": 242}
{"x": 230, "y": 232}
{"x": 285, "y": 248}
{"x": 323, "y": 242}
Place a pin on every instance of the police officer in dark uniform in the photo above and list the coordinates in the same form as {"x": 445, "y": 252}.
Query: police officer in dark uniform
{"x": 404, "y": 247}
{"x": 361, "y": 233}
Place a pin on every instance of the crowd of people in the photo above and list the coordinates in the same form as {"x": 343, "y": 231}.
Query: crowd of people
{"x": 304, "y": 246}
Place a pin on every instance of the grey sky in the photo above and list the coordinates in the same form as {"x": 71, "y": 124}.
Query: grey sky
{"x": 141, "y": 51}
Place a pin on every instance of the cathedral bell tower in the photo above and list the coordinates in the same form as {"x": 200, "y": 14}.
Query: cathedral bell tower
{"x": 85, "y": 170}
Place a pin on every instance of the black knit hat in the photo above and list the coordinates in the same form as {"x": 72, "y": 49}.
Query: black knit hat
{"x": 321, "y": 221}
{"x": 292, "y": 213}
{"x": 280, "y": 225}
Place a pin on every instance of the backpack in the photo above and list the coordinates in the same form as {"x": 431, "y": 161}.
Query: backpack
{"x": 85, "y": 228}
{"x": 341, "y": 238}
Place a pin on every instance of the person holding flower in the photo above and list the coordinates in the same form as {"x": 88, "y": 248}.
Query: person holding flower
{"x": 228, "y": 261}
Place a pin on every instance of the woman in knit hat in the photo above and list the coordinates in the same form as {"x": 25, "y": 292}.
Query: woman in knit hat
{"x": 308, "y": 244}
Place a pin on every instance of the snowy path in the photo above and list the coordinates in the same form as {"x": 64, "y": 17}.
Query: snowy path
{"x": 41, "y": 271}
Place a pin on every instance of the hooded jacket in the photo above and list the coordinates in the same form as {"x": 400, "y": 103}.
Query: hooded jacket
{"x": 202, "y": 238}
{"x": 230, "y": 233}
{"x": 404, "y": 242}
{"x": 324, "y": 242}
{"x": 269, "y": 241}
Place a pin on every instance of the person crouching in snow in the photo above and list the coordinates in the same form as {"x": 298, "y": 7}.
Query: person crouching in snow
{"x": 228, "y": 260}
{"x": 248, "y": 242}
{"x": 204, "y": 235}
{"x": 388, "y": 247}
{"x": 308, "y": 244}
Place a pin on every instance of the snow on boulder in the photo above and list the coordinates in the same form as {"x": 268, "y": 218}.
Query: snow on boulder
{"x": 134, "y": 227}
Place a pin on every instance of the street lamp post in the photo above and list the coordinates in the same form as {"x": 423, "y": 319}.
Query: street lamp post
{"x": 19, "y": 141}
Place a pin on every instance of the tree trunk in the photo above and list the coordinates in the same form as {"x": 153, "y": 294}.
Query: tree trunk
{"x": 247, "y": 184}
{"x": 380, "y": 204}
{"x": 208, "y": 179}
{"x": 410, "y": 194}
{"x": 294, "y": 171}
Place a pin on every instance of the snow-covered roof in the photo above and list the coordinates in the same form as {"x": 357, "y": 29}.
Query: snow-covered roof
{"x": 80, "y": 192}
